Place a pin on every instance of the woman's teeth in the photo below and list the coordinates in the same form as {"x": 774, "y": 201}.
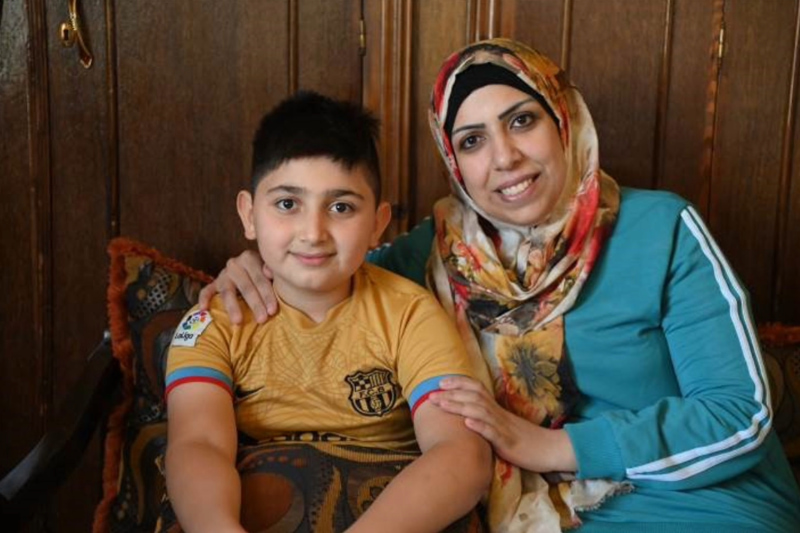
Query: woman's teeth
{"x": 516, "y": 189}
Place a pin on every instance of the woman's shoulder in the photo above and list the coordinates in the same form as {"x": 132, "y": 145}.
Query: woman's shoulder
{"x": 643, "y": 200}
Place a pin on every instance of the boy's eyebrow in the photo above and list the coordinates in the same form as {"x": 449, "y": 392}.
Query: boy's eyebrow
{"x": 501, "y": 116}
{"x": 333, "y": 193}
{"x": 338, "y": 193}
{"x": 291, "y": 189}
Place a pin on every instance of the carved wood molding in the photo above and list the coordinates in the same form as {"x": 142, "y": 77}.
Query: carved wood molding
{"x": 387, "y": 93}
{"x": 40, "y": 205}
{"x": 483, "y": 19}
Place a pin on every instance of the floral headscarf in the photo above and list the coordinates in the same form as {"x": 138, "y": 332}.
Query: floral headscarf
{"x": 508, "y": 287}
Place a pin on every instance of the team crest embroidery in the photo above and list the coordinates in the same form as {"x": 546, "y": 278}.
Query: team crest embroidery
{"x": 190, "y": 328}
{"x": 372, "y": 393}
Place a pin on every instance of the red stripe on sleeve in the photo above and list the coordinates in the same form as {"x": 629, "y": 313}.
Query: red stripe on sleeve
{"x": 197, "y": 379}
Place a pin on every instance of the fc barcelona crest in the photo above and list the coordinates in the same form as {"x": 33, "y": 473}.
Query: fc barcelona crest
{"x": 372, "y": 393}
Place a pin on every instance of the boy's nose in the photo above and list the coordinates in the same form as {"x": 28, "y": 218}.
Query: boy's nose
{"x": 315, "y": 228}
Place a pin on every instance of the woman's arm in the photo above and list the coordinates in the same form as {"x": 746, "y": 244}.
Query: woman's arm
{"x": 202, "y": 481}
{"x": 246, "y": 275}
{"x": 715, "y": 428}
{"x": 438, "y": 488}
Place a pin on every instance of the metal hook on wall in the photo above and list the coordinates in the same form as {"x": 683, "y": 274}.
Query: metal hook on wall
{"x": 70, "y": 33}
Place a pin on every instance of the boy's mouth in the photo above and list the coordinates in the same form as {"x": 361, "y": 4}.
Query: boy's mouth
{"x": 315, "y": 259}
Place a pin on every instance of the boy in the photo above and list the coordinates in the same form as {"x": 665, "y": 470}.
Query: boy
{"x": 350, "y": 358}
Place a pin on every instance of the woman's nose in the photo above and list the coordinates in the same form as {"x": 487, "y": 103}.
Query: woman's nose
{"x": 505, "y": 152}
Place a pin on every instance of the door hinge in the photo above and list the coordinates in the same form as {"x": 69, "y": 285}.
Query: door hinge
{"x": 362, "y": 37}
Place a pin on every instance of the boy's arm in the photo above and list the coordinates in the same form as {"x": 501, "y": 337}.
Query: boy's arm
{"x": 202, "y": 481}
{"x": 439, "y": 487}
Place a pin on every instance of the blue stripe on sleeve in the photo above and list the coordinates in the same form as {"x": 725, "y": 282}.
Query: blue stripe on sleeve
{"x": 198, "y": 372}
{"x": 426, "y": 387}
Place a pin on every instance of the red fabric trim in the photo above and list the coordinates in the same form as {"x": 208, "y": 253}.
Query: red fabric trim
{"x": 118, "y": 250}
{"x": 422, "y": 400}
{"x": 197, "y": 379}
{"x": 776, "y": 334}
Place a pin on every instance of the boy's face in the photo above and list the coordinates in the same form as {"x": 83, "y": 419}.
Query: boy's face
{"x": 314, "y": 221}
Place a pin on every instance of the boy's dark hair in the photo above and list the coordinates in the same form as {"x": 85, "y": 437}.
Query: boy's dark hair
{"x": 309, "y": 124}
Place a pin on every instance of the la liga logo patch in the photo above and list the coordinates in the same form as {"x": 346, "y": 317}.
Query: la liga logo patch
{"x": 190, "y": 328}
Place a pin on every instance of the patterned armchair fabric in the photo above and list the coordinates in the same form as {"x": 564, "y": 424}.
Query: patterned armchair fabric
{"x": 781, "y": 351}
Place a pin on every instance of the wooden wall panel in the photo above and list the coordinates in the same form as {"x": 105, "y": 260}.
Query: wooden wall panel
{"x": 787, "y": 297}
{"x": 328, "y": 44}
{"x": 386, "y": 92}
{"x": 440, "y": 29}
{"x": 537, "y": 23}
{"x": 752, "y": 101}
{"x": 184, "y": 151}
{"x": 20, "y": 352}
{"x": 79, "y": 163}
{"x": 684, "y": 167}
{"x": 615, "y": 61}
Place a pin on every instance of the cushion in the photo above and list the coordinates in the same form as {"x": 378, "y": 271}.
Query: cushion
{"x": 781, "y": 351}
{"x": 148, "y": 294}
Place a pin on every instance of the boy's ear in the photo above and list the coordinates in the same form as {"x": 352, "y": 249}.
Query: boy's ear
{"x": 383, "y": 215}
{"x": 244, "y": 205}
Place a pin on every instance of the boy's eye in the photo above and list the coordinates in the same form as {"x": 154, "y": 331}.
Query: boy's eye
{"x": 285, "y": 204}
{"x": 341, "y": 207}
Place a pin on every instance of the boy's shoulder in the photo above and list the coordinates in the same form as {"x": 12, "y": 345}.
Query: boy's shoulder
{"x": 391, "y": 285}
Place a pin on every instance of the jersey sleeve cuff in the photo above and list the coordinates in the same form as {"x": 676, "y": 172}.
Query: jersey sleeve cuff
{"x": 423, "y": 391}
{"x": 197, "y": 375}
{"x": 596, "y": 451}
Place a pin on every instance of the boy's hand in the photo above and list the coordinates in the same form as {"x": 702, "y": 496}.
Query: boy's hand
{"x": 245, "y": 275}
{"x": 513, "y": 438}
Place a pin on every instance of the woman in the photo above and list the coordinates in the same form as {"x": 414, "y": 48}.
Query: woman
{"x": 558, "y": 280}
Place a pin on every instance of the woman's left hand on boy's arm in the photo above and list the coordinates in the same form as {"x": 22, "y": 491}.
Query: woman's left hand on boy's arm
{"x": 440, "y": 486}
{"x": 515, "y": 439}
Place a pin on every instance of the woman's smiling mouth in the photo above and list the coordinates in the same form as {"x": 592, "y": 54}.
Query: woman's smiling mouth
{"x": 513, "y": 191}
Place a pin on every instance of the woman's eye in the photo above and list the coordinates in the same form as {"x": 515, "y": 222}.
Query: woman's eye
{"x": 523, "y": 120}
{"x": 341, "y": 208}
{"x": 285, "y": 204}
{"x": 468, "y": 142}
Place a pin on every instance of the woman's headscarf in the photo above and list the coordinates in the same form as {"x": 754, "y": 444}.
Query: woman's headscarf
{"x": 508, "y": 287}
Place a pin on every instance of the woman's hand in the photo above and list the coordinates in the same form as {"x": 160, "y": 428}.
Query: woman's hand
{"x": 245, "y": 275}
{"x": 514, "y": 439}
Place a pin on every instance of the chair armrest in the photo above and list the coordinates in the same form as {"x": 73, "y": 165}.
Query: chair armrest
{"x": 35, "y": 479}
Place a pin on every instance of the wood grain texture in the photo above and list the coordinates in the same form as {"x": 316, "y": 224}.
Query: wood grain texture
{"x": 537, "y": 23}
{"x": 328, "y": 56}
{"x": 387, "y": 93}
{"x": 20, "y": 393}
{"x": 194, "y": 79}
{"x": 617, "y": 72}
{"x": 440, "y": 30}
{"x": 752, "y": 101}
{"x": 80, "y": 151}
{"x": 786, "y": 283}
{"x": 691, "y": 74}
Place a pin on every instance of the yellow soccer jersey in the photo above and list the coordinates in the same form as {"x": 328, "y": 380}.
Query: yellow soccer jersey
{"x": 355, "y": 377}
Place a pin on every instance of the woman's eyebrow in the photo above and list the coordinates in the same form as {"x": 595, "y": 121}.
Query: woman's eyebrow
{"x": 514, "y": 107}
{"x": 501, "y": 116}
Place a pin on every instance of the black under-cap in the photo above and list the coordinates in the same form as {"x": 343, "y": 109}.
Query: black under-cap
{"x": 481, "y": 75}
